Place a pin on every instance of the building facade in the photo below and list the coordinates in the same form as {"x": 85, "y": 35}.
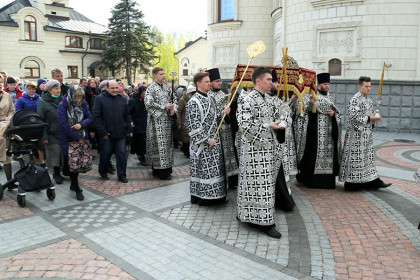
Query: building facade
{"x": 191, "y": 59}
{"x": 38, "y": 36}
{"x": 347, "y": 38}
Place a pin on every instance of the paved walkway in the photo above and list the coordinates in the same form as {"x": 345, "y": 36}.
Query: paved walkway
{"x": 148, "y": 229}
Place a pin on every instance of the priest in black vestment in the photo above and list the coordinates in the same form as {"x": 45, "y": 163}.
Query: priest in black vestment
{"x": 320, "y": 143}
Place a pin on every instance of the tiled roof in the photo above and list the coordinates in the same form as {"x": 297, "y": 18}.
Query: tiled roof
{"x": 77, "y": 22}
{"x": 12, "y": 8}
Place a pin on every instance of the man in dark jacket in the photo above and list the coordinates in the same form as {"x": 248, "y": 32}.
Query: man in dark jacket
{"x": 57, "y": 74}
{"x": 112, "y": 122}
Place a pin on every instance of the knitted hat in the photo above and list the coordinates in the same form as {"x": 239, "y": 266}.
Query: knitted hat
{"x": 51, "y": 84}
{"x": 41, "y": 81}
{"x": 103, "y": 84}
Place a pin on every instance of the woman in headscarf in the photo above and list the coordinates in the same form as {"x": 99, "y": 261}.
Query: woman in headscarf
{"x": 47, "y": 109}
{"x": 6, "y": 111}
{"x": 74, "y": 119}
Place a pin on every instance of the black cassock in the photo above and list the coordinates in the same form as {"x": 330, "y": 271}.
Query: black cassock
{"x": 319, "y": 162}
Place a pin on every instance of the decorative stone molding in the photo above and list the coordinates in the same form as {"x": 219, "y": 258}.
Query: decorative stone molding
{"x": 227, "y": 25}
{"x": 333, "y": 3}
{"x": 19, "y": 18}
{"x": 34, "y": 58}
{"x": 41, "y": 64}
{"x": 225, "y": 53}
{"x": 337, "y": 40}
{"x": 277, "y": 14}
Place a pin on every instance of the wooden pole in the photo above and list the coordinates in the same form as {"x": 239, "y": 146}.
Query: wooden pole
{"x": 379, "y": 95}
{"x": 253, "y": 50}
{"x": 232, "y": 98}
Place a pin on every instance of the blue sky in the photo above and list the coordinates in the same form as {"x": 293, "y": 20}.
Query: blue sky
{"x": 181, "y": 16}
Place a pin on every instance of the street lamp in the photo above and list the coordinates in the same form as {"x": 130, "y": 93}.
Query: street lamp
{"x": 173, "y": 75}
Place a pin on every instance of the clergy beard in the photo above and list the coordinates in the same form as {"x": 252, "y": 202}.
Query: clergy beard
{"x": 273, "y": 91}
{"x": 323, "y": 92}
{"x": 216, "y": 89}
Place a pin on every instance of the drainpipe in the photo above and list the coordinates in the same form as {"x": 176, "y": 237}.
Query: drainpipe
{"x": 83, "y": 57}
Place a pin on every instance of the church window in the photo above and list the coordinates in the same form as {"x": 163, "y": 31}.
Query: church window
{"x": 226, "y": 10}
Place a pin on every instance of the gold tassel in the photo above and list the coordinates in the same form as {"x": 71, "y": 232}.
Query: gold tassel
{"x": 300, "y": 107}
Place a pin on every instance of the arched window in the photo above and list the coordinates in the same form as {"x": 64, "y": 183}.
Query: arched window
{"x": 185, "y": 69}
{"x": 30, "y": 28}
{"x": 334, "y": 66}
{"x": 32, "y": 69}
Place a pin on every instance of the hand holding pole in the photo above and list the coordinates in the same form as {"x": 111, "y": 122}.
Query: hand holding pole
{"x": 253, "y": 50}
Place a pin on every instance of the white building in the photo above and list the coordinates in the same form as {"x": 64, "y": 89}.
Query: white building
{"x": 39, "y": 35}
{"x": 191, "y": 59}
{"x": 348, "y": 38}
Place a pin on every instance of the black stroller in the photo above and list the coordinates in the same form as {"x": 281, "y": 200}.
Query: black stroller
{"x": 26, "y": 128}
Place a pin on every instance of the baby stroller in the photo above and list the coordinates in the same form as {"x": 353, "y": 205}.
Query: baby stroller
{"x": 26, "y": 128}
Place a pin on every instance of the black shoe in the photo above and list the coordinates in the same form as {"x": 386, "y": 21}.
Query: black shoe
{"x": 379, "y": 184}
{"x": 272, "y": 232}
{"x": 195, "y": 200}
{"x": 104, "y": 177}
{"x": 74, "y": 187}
{"x": 58, "y": 179}
{"x": 123, "y": 180}
{"x": 79, "y": 194}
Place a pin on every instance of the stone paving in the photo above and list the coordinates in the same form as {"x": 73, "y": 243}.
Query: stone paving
{"x": 148, "y": 229}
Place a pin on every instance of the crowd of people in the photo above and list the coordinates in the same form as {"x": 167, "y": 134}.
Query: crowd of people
{"x": 258, "y": 144}
{"x": 103, "y": 113}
